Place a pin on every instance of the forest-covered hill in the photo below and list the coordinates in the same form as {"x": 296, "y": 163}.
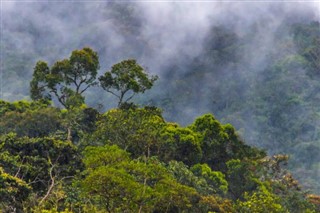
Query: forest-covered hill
{"x": 130, "y": 159}
{"x": 254, "y": 65}
{"x": 274, "y": 107}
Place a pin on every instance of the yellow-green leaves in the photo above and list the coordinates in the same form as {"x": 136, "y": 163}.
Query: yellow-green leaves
{"x": 12, "y": 192}
{"x": 119, "y": 183}
{"x": 261, "y": 201}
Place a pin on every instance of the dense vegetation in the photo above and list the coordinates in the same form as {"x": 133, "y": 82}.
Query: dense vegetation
{"x": 129, "y": 159}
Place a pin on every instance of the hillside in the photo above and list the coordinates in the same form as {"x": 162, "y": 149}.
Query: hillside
{"x": 131, "y": 160}
{"x": 253, "y": 65}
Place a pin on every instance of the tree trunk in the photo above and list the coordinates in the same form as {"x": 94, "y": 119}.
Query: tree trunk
{"x": 69, "y": 136}
{"x": 51, "y": 185}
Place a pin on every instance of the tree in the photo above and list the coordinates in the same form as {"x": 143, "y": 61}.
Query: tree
{"x": 180, "y": 144}
{"x": 242, "y": 177}
{"x": 261, "y": 201}
{"x": 116, "y": 183}
{"x": 134, "y": 130}
{"x": 214, "y": 178}
{"x": 220, "y": 143}
{"x": 67, "y": 79}
{"x": 126, "y": 79}
{"x": 185, "y": 176}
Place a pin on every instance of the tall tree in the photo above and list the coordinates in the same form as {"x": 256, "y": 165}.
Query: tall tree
{"x": 126, "y": 79}
{"x": 67, "y": 79}
{"x": 116, "y": 183}
{"x": 134, "y": 130}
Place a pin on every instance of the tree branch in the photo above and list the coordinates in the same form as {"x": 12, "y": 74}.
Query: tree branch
{"x": 59, "y": 98}
{"x": 51, "y": 185}
{"x": 113, "y": 93}
{"x": 128, "y": 99}
{"x": 17, "y": 173}
{"x": 84, "y": 89}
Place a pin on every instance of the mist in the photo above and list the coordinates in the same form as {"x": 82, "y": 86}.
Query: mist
{"x": 157, "y": 34}
{"x": 169, "y": 39}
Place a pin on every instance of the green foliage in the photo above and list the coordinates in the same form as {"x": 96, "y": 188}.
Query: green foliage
{"x": 78, "y": 121}
{"x": 242, "y": 176}
{"x": 175, "y": 197}
{"x": 88, "y": 119}
{"x": 116, "y": 183}
{"x": 113, "y": 189}
{"x": 180, "y": 144}
{"x": 134, "y": 130}
{"x": 144, "y": 132}
{"x": 13, "y": 191}
{"x": 213, "y": 140}
{"x": 126, "y": 79}
{"x": 215, "y": 179}
{"x": 32, "y": 123}
{"x": 138, "y": 162}
{"x": 261, "y": 201}
{"x": 22, "y": 106}
{"x": 185, "y": 176}
{"x": 39, "y": 162}
{"x": 66, "y": 79}
{"x": 100, "y": 156}
{"x": 38, "y": 119}
{"x": 109, "y": 180}
{"x": 220, "y": 143}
